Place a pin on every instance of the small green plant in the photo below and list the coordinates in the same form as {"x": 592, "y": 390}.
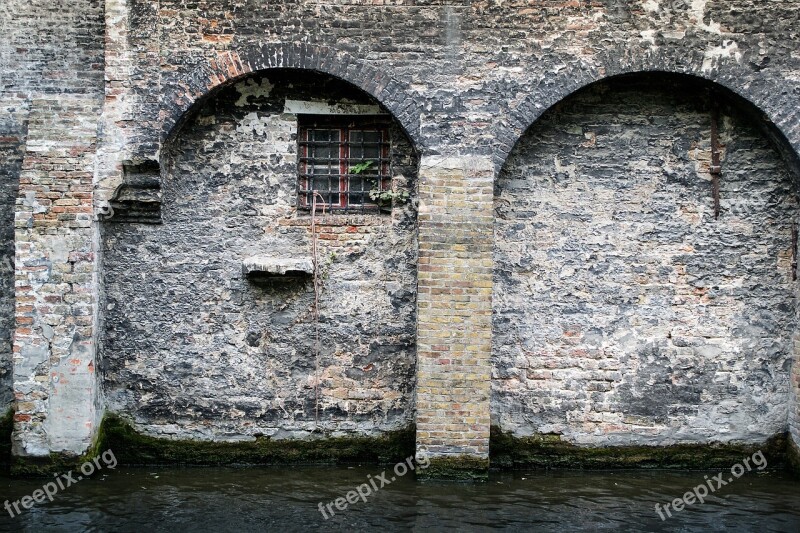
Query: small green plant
{"x": 386, "y": 197}
{"x": 326, "y": 269}
{"x": 361, "y": 167}
{"x": 380, "y": 196}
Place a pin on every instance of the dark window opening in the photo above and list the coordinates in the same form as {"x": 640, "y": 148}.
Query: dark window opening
{"x": 341, "y": 161}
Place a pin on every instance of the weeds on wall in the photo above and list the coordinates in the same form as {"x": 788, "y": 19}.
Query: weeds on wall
{"x": 382, "y": 197}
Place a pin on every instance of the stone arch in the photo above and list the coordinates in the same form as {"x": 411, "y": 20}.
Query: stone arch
{"x": 207, "y": 78}
{"x": 230, "y": 194}
{"x": 562, "y": 229}
{"x": 762, "y": 95}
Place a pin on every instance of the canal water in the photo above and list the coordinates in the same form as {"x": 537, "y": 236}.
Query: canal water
{"x": 287, "y": 499}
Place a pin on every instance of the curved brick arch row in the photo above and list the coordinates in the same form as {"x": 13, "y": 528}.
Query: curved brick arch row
{"x": 232, "y": 66}
{"x": 771, "y": 98}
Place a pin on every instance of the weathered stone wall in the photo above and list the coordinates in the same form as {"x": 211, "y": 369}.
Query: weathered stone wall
{"x": 55, "y": 385}
{"x": 51, "y": 95}
{"x": 794, "y": 400}
{"x": 624, "y": 312}
{"x": 12, "y": 133}
{"x": 485, "y": 68}
{"x": 464, "y": 80}
{"x": 194, "y": 348}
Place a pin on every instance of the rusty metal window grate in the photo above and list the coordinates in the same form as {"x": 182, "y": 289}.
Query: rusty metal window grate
{"x": 342, "y": 162}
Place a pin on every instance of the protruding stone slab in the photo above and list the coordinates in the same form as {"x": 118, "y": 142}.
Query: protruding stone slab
{"x": 138, "y": 198}
{"x": 300, "y": 107}
{"x": 273, "y": 267}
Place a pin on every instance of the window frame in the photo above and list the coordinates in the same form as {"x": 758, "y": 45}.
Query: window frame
{"x": 345, "y": 161}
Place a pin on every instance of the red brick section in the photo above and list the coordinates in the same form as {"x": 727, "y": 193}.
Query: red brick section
{"x": 340, "y": 232}
{"x": 55, "y": 384}
{"x": 454, "y": 307}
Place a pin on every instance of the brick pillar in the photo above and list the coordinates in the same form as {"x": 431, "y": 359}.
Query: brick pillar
{"x": 454, "y": 313}
{"x": 117, "y": 120}
{"x": 55, "y": 382}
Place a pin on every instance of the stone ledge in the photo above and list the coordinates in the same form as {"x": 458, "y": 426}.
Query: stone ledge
{"x": 277, "y": 266}
{"x": 138, "y": 198}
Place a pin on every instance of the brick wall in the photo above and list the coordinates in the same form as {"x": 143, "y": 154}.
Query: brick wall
{"x": 463, "y": 79}
{"x": 454, "y": 323}
{"x": 54, "y": 343}
{"x": 51, "y": 77}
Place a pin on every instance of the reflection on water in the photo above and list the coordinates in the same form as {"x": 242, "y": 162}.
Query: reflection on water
{"x": 286, "y": 499}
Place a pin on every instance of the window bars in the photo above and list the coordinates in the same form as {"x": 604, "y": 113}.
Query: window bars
{"x": 343, "y": 162}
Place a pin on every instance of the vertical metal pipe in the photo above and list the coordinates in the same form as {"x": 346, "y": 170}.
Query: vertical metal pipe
{"x": 716, "y": 163}
{"x": 794, "y": 251}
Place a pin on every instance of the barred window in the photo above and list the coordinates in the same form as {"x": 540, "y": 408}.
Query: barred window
{"x": 342, "y": 161}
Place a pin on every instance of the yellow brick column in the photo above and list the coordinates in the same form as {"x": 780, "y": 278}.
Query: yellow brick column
{"x": 454, "y": 325}
{"x": 793, "y": 447}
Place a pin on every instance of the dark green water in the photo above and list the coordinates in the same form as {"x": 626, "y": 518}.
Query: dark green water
{"x": 286, "y": 499}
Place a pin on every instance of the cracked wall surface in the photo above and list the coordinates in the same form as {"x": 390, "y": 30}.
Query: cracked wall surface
{"x": 624, "y": 311}
{"x": 194, "y": 348}
{"x": 51, "y": 95}
{"x": 465, "y": 80}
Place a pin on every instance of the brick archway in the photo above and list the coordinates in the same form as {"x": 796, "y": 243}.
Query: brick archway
{"x": 764, "y": 96}
{"x": 185, "y": 89}
{"x": 766, "y": 102}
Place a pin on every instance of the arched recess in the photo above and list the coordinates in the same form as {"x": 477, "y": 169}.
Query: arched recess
{"x": 199, "y": 345}
{"x": 769, "y": 96}
{"x": 185, "y": 89}
{"x": 625, "y": 312}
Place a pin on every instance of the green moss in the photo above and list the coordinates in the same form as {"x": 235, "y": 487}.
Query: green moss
{"x": 133, "y": 448}
{"x": 549, "y": 451}
{"x": 54, "y": 463}
{"x": 457, "y": 468}
{"x": 46, "y": 466}
{"x": 507, "y": 451}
